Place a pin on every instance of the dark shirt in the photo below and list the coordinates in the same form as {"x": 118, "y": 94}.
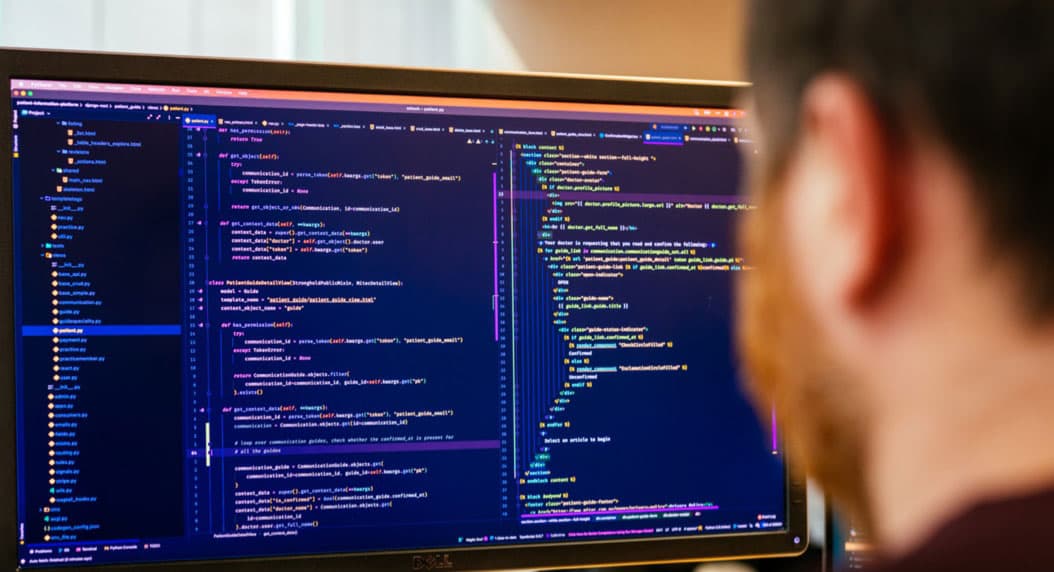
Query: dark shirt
{"x": 1012, "y": 535}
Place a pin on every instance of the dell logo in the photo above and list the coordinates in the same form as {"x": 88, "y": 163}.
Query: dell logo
{"x": 433, "y": 562}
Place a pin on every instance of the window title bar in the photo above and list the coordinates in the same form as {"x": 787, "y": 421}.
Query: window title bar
{"x": 23, "y": 87}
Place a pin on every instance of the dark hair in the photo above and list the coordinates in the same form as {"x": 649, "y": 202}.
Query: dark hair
{"x": 979, "y": 74}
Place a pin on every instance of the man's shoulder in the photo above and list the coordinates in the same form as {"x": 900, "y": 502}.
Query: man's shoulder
{"x": 1000, "y": 534}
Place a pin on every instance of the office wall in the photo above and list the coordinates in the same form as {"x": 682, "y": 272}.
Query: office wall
{"x": 667, "y": 38}
{"x": 433, "y": 33}
{"x": 674, "y": 38}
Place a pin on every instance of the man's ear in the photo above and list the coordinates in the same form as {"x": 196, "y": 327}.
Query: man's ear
{"x": 857, "y": 210}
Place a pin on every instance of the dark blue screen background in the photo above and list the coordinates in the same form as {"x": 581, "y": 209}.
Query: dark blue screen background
{"x": 251, "y": 330}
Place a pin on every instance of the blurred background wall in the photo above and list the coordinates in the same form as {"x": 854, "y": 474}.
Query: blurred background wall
{"x": 671, "y": 38}
{"x": 668, "y": 38}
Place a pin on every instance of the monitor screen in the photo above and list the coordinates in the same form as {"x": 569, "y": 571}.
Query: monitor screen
{"x": 258, "y": 323}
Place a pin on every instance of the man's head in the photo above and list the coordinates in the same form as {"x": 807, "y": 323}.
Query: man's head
{"x": 906, "y": 209}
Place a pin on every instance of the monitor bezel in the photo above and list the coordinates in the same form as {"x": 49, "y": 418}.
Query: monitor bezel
{"x": 127, "y": 68}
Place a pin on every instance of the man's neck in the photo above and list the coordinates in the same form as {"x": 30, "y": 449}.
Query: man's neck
{"x": 966, "y": 426}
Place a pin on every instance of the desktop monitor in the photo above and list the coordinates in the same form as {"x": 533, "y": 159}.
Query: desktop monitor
{"x": 353, "y": 318}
